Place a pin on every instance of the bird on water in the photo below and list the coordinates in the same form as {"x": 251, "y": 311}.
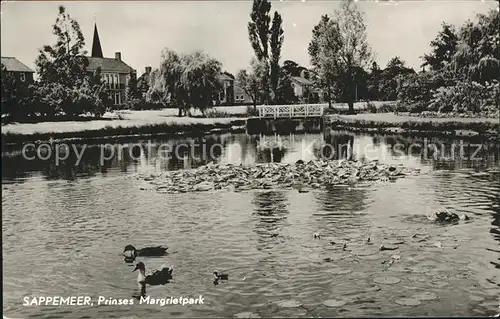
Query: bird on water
{"x": 131, "y": 253}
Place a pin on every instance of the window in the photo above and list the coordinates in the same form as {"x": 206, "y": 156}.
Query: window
{"x": 22, "y": 76}
{"x": 117, "y": 99}
{"x": 116, "y": 81}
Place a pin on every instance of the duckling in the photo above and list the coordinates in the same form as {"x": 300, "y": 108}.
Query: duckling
{"x": 218, "y": 276}
{"x": 131, "y": 253}
{"x": 157, "y": 277}
{"x": 317, "y": 235}
{"x": 344, "y": 248}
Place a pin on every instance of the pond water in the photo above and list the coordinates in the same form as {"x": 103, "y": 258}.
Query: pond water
{"x": 65, "y": 226}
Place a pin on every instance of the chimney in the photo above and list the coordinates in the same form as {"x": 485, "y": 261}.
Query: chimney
{"x": 118, "y": 56}
{"x": 148, "y": 69}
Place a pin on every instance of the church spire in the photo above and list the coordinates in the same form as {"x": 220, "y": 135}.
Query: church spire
{"x": 96, "y": 44}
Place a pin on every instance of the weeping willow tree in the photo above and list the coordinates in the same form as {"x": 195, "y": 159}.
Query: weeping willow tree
{"x": 464, "y": 69}
{"x": 477, "y": 57}
{"x": 185, "y": 81}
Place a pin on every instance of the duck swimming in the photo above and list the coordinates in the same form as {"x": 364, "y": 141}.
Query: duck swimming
{"x": 218, "y": 276}
{"x": 157, "y": 277}
{"x": 131, "y": 253}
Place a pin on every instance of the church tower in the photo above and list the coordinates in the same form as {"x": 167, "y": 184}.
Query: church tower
{"x": 96, "y": 45}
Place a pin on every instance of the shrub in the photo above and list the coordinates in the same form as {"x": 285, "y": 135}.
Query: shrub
{"x": 466, "y": 97}
{"x": 386, "y": 108}
{"x": 140, "y": 104}
{"x": 370, "y": 107}
{"x": 217, "y": 114}
{"x": 252, "y": 111}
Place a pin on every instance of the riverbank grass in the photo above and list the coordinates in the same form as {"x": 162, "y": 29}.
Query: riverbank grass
{"x": 157, "y": 125}
{"x": 393, "y": 123}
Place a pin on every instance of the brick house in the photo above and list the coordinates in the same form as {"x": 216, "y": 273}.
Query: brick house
{"x": 240, "y": 96}
{"x": 22, "y": 73}
{"x": 115, "y": 72}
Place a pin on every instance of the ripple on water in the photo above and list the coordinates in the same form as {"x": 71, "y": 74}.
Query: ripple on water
{"x": 247, "y": 315}
{"x": 339, "y": 271}
{"x": 334, "y": 303}
{"x": 407, "y": 302}
{"x": 425, "y": 296}
{"x": 289, "y": 304}
{"x": 386, "y": 280}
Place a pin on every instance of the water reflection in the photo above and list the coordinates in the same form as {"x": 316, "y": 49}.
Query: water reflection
{"x": 271, "y": 213}
{"x": 338, "y": 145}
{"x": 57, "y": 219}
{"x": 163, "y": 155}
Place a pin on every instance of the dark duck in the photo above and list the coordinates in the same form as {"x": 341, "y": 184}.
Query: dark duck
{"x": 218, "y": 276}
{"x": 156, "y": 277}
{"x": 131, "y": 253}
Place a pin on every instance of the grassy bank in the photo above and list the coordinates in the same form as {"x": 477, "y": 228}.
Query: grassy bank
{"x": 41, "y": 132}
{"x": 130, "y": 123}
{"x": 387, "y": 123}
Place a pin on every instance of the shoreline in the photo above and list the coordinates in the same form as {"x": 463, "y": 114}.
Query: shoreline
{"x": 165, "y": 126}
{"x": 119, "y": 129}
{"x": 388, "y": 123}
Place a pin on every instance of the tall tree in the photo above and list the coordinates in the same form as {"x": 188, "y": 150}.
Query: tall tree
{"x": 339, "y": 47}
{"x": 64, "y": 62}
{"x": 266, "y": 36}
{"x": 65, "y": 86}
{"x": 391, "y": 78}
{"x": 276, "y": 42}
{"x": 444, "y": 46}
{"x": 258, "y": 28}
{"x": 322, "y": 51}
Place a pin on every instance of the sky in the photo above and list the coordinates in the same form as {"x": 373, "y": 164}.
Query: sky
{"x": 141, "y": 29}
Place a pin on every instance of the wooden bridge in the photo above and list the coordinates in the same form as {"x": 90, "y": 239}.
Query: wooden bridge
{"x": 284, "y": 119}
{"x": 291, "y": 111}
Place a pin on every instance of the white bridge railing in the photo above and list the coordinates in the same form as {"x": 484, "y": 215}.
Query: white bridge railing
{"x": 289, "y": 111}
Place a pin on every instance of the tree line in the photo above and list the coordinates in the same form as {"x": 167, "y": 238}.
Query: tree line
{"x": 459, "y": 74}
{"x": 462, "y": 70}
{"x": 64, "y": 87}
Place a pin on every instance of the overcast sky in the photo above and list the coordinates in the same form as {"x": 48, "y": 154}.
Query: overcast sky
{"x": 140, "y": 29}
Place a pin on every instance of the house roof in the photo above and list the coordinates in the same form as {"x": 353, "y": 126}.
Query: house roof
{"x": 301, "y": 80}
{"x": 108, "y": 64}
{"x": 225, "y": 77}
{"x": 14, "y": 65}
